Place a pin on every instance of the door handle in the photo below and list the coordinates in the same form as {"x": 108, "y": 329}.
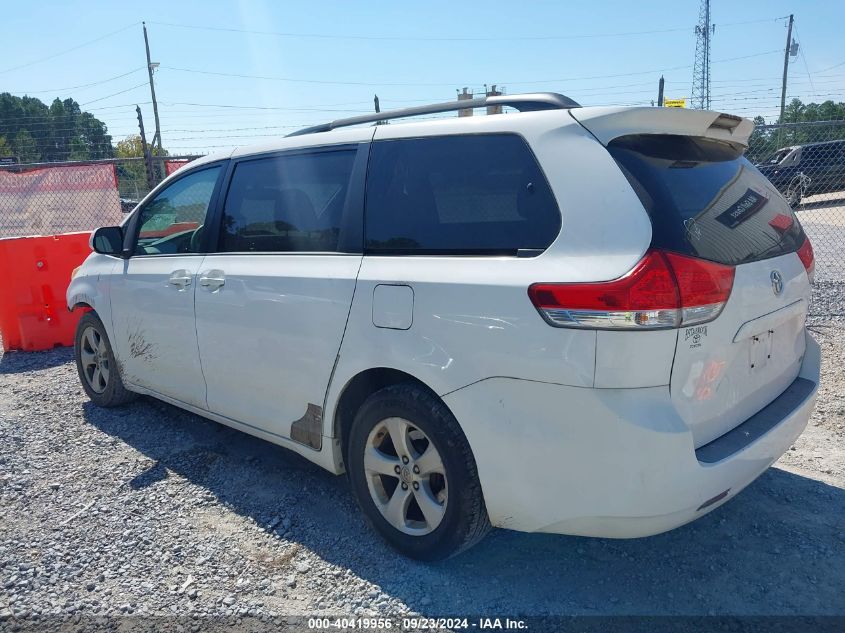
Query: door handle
{"x": 180, "y": 278}
{"x": 213, "y": 279}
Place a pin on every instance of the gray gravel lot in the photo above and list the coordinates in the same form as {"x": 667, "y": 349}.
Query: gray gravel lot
{"x": 151, "y": 510}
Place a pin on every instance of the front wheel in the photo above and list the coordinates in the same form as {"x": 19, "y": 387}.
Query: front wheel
{"x": 794, "y": 193}
{"x": 98, "y": 370}
{"x": 413, "y": 474}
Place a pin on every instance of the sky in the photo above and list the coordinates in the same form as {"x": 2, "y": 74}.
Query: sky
{"x": 235, "y": 72}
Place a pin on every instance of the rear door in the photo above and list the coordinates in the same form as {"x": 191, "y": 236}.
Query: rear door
{"x": 707, "y": 201}
{"x": 273, "y": 301}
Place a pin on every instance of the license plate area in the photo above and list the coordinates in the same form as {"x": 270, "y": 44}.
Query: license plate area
{"x": 760, "y": 351}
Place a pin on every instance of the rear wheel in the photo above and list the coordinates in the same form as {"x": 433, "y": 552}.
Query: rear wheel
{"x": 95, "y": 362}
{"x": 413, "y": 474}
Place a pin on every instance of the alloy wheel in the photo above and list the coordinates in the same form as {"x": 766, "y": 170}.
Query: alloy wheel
{"x": 94, "y": 354}
{"x": 793, "y": 194}
{"x": 405, "y": 476}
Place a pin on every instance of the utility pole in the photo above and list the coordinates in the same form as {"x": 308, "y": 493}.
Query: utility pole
{"x": 660, "y": 92}
{"x": 701, "y": 69}
{"x": 150, "y": 68}
{"x": 148, "y": 159}
{"x": 785, "y": 67}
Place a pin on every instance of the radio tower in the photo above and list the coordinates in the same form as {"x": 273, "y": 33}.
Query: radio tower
{"x": 701, "y": 71}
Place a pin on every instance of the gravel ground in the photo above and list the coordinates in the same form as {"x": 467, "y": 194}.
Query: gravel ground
{"x": 151, "y": 510}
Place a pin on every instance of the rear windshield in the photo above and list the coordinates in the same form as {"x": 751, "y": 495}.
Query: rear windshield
{"x": 705, "y": 199}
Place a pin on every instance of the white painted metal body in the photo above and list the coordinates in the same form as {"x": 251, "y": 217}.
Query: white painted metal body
{"x": 574, "y": 431}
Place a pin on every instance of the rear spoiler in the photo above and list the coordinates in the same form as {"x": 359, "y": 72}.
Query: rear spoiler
{"x": 607, "y": 124}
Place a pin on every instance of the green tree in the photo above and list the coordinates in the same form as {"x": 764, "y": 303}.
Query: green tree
{"x": 131, "y": 147}
{"x": 60, "y": 131}
{"x": 765, "y": 142}
{"x": 5, "y": 147}
{"x": 26, "y": 149}
{"x": 798, "y": 112}
{"x": 758, "y": 144}
{"x": 132, "y": 175}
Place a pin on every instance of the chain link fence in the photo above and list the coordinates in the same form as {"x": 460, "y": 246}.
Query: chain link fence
{"x": 806, "y": 162}
{"x": 53, "y": 198}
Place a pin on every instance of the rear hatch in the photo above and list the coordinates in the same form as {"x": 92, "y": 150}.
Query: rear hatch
{"x": 707, "y": 201}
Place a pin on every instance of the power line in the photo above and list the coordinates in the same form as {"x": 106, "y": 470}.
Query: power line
{"x": 68, "y": 50}
{"x": 82, "y": 86}
{"x": 114, "y": 94}
{"x": 263, "y": 110}
{"x": 804, "y": 59}
{"x": 122, "y": 105}
{"x": 440, "y": 84}
{"x": 284, "y": 108}
{"x": 413, "y": 38}
{"x": 824, "y": 70}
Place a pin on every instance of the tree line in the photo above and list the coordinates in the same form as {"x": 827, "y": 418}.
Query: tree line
{"x": 35, "y": 132}
{"x": 765, "y": 141}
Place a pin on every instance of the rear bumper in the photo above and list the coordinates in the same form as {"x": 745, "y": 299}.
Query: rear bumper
{"x": 616, "y": 463}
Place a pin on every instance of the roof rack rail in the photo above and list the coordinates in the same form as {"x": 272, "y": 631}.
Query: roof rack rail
{"x": 523, "y": 102}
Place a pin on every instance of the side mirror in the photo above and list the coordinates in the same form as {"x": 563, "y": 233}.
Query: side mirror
{"x": 108, "y": 240}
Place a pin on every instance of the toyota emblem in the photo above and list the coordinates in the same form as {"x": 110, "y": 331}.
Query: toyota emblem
{"x": 777, "y": 282}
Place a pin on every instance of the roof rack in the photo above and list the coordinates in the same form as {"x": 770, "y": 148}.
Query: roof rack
{"x": 524, "y": 103}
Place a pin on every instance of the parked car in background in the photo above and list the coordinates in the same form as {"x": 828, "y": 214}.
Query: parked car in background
{"x": 127, "y": 205}
{"x": 806, "y": 170}
{"x": 571, "y": 320}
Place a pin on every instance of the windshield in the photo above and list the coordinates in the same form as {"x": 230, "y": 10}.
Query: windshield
{"x": 779, "y": 156}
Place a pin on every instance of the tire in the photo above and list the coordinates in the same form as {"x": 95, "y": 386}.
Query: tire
{"x": 98, "y": 370}
{"x": 455, "y": 517}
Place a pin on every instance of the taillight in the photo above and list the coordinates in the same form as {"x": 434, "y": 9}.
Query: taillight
{"x": 663, "y": 290}
{"x": 808, "y": 258}
{"x": 704, "y": 286}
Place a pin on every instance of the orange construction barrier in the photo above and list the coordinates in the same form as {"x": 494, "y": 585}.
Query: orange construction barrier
{"x": 36, "y": 273}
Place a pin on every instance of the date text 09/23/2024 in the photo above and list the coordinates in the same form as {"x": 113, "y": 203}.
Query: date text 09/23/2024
{"x": 416, "y": 623}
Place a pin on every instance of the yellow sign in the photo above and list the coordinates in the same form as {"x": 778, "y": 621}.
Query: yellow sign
{"x": 675, "y": 103}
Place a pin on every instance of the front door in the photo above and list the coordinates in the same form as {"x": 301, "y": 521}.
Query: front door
{"x": 152, "y": 293}
{"x": 273, "y": 302}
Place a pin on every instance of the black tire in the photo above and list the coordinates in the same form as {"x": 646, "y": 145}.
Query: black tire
{"x": 113, "y": 393}
{"x": 464, "y": 521}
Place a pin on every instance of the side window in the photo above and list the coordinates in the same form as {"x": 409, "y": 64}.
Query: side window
{"x": 472, "y": 194}
{"x": 173, "y": 221}
{"x": 287, "y": 203}
{"x": 817, "y": 155}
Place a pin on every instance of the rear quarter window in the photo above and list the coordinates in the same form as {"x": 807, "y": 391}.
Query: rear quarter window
{"x": 706, "y": 199}
{"x": 472, "y": 194}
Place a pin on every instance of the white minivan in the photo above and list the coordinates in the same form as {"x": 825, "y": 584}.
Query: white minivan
{"x": 573, "y": 320}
